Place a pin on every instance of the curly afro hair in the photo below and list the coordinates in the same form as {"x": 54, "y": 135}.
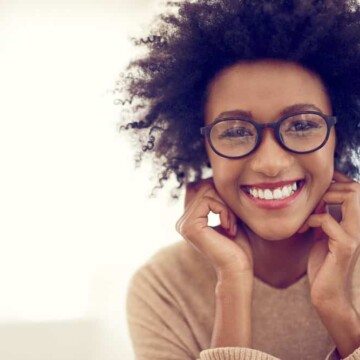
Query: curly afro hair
{"x": 187, "y": 47}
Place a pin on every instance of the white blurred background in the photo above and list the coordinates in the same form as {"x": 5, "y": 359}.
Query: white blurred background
{"x": 75, "y": 217}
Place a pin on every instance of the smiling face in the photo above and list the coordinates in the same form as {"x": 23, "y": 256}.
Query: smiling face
{"x": 265, "y": 91}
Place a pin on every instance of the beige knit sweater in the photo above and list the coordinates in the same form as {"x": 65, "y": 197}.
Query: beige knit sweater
{"x": 171, "y": 309}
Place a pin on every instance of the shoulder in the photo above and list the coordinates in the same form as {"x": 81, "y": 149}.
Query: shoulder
{"x": 175, "y": 270}
{"x": 170, "y": 303}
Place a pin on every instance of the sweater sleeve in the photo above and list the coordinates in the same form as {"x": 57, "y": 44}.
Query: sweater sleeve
{"x": 159, "y": 330}
{"x": 235, "y": 353}
{"x": 334, "y": 355}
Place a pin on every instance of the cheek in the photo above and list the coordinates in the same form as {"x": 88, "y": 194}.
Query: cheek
{"x": 321, "y": 162}
{"x": 320, "y": 167}
{"x": 226, "y": 175}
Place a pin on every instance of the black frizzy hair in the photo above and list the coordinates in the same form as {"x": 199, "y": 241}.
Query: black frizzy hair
{"x": 166, "y": 89}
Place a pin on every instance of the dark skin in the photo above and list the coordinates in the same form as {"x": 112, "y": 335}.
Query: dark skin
{"x": 284, "y": 262}
{"x": 279, "y": 245}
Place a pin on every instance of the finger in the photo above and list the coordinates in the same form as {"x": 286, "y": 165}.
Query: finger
{"x": 193, "y": 188}
{"x": 202, "y": 206}
{"x": 340, "y": 243}
{"x": 345, "y": 186}
{"x": 321, "y": 208}
{"x": 231, "y": 220}
{"x": 350, "y": 209}
{"x": 231, "y": 217}
{"x": 341, "y": 177}
{"x": 208, "y": 191}
{"x": 233, "y": 223}
{"x": 342, "y": 247}
{"x": 221, "y": 209}
{"x": 303, "y": 228}
{"x": 341, "y": 197}
{"x": 192, "y": 226}
{"x": 194, "y": 198}
{"x": 204, "y": 189}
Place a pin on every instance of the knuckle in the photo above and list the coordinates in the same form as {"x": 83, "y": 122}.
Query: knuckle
{"x": 206, "y": 198}
{"x": 193, "y": 188}
{"x": 207, "y": 188}
{"x": 319, "y": 299}
{"x": 186, "y": 231}
{"x": 353, "y": 246}
{"x": 349, "y": 249}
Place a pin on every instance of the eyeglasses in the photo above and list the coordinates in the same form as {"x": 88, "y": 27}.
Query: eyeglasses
{"x": 299, "y": 132}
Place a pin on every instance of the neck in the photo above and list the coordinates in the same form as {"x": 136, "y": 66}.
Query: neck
{"x": 280, "y": 262}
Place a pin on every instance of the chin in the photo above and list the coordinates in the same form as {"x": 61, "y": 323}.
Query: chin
{"x": 275, "y": 233}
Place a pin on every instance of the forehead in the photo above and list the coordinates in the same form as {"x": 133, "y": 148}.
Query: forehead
{"x": 264, "y": 89}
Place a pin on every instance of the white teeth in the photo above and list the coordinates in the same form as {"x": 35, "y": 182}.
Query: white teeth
{"x": 286, "y": 191}
{"x": 278, "y": 193}
{"x": 268, "y": 195}
{"x": 254, "y": 192}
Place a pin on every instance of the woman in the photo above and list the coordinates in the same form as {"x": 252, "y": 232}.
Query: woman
{"x": 267, "y": 95}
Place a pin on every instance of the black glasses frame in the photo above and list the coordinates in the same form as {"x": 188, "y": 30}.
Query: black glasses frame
{"x": 330, "y": 121}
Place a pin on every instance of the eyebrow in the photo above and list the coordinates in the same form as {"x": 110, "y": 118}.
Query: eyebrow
{"x": 287, "y": 110}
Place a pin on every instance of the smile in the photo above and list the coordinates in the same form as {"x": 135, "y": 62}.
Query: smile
{"x": 274, "y": 198}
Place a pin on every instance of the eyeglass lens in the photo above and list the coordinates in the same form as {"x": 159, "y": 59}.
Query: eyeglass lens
{"x": 302, "y": 133}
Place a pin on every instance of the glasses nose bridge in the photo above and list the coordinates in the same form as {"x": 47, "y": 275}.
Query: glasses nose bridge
{"x": 273, "y": 126}
{"x": 276, "y": 135}
{"x": 270, "y": 156}
{"x": 268, "y": 125}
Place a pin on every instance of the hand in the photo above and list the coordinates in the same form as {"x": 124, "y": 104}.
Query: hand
{"x": 336, "y": 245}
{"x": 226, "y": 246}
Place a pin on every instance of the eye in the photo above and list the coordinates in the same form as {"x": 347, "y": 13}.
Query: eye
{"x": 303, "y": 125}
{"x": 236, "y": 133}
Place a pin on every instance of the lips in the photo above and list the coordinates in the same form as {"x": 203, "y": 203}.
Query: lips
{"x": 273, "y": 185}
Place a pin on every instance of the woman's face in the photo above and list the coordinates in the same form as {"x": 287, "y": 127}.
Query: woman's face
{"x": 266, "y": 90}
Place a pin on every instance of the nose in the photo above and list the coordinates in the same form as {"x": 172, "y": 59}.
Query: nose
{"x": 270, "y": 158}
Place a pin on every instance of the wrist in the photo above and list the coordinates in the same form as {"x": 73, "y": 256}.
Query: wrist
{"x": 239, "y": 285}
{"x": 343, "y": 324}
{"x": 233, "y": 316}
{"x": 333, "y": 308}
{"x": 233, "y": 322}
{"x": 235, "y": 277}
